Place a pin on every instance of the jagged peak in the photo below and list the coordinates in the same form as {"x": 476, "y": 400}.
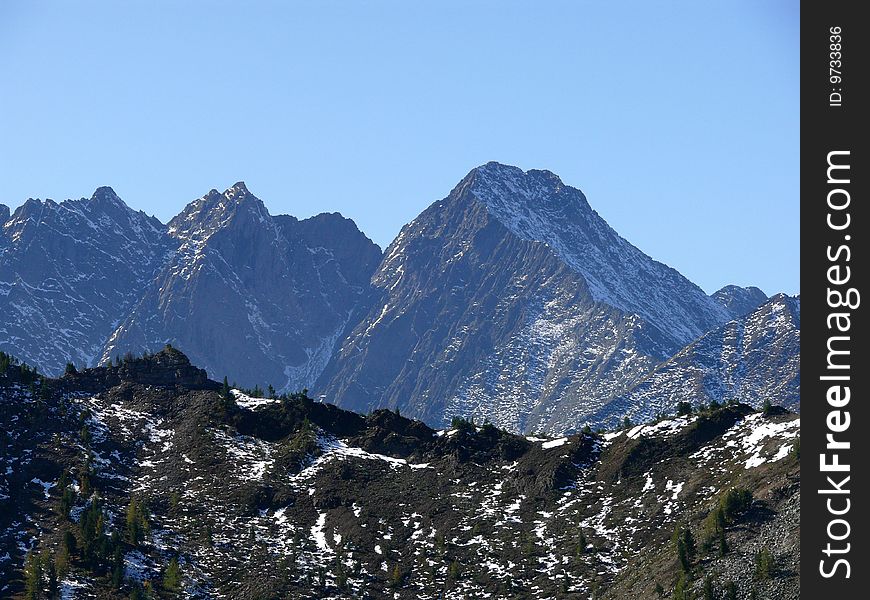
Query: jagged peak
{"x": 238, "y": 189}
{"x": 783, "y": 298}
{"x": 105, "y": 199}
{"x": 105, "y": 192}
{"x": 498, "y": 169}
{"x": 506, "y": 189}
{"x": 731, "y": 288}
{"x": 534, "y": 182}
{"x": 216, "y": 210}
{"x": 535, "y": 205}
{"x": 738, "y": 300}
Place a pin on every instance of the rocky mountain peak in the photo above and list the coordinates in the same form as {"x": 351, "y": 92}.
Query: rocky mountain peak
{"x": 504, "y": 188}
{"x": 238, "y": 189}
{"x": 213, "y": 211}
{"x": 106, "y": 194}
{"x": 739, "y": 301}
{"x": 4, "y": 214}
{"x": 537, "y": 206}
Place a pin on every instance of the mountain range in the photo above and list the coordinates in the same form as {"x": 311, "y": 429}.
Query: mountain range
{"x": 510, "y": 301}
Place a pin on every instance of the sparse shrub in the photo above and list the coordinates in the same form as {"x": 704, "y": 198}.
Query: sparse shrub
{"x": 735, "y": 503}
{"x": 462, "y": 425}
{"x": 454, "y": 571}
{"x": 70, "y": 369}
{"x": 85, "y": 436}
{"x": 581, "y": 543}
{"x": 765, "y": 564}
{"x": 69, "y": 542}
{"x": 172, "y": 576}
{"x": 92, "y": 530}
{"x": 660, "y": 591}
{"x": 396, "y": 577}
{"x": 684, "y": 408}
{"x": 713, "y": 528}
{"x": 32, "y": 577}
{"x": 137, "y": 593}
{"x": 685, "y": 546}
{"x": 488, "y": 429}
{"x": 707, "y": 590}
{"x": 174, "y": 501}
{"x": 341, "y": 578}
{"x": 137, "y": 523}
{"x": 683, "y": 588}
{"x": 766, "y": 407}
{"x": 62, "y": 561}
{"x": 67, "y": 496}
{"x": 730, "y": 590}
{"x": 85, "y": 482}
{"x": 117, "y": 577}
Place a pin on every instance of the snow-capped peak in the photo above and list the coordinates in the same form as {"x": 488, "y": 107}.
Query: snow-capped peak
{"x": 538, "y": 206}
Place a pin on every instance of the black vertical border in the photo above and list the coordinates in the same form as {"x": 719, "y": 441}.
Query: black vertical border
{"x": 826, "y": 128}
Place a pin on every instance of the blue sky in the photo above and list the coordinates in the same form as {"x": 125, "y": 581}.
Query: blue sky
{"x": 679, "y": 120}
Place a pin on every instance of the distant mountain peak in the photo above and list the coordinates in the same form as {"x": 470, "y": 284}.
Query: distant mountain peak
{"x": 216, "y": 210}
{"x": 238, "y": 189}
{"x": 105, "y": 192}
{"x": 537, "y": 206}
{"x": 739, "y": 301}
{"x": 534, "y": 184}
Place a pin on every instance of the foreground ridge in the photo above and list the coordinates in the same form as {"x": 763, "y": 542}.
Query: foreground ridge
{"x": 144, "y": 475}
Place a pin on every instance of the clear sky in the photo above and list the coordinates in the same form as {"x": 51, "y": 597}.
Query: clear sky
{"x": 679, "y": 120}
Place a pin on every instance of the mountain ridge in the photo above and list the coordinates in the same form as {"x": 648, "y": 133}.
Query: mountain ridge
{"x": 486, "y": 308}
{"x": 256, "y": 497}
{"x": 510, "y": 300}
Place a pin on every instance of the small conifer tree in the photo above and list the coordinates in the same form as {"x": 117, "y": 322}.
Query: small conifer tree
{"x": 730, "y": 590}
{"x": 172, "y": 576}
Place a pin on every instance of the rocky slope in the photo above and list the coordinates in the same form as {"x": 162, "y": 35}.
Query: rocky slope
{"x": 244, "y": 288}
{"x": 70, "y": 272}
{"x": 147, "y": 465}
{"x": 87, "y": 280}
{"x": 512, "y": 300}
{"x": 739, "y": 301}
{"x": 750, "y": 359}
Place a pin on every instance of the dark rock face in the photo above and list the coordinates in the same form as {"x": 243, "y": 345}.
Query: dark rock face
{"x": 749, "y": 359}
{"x": 244, "y": 288}
{"x": 512, "y": 300}
{"x": 167, "y": 368}
{"x": 261, "y": 299}
{"x": 70, "y": 272}
{"x": 739, "y": 301}
{"x": 332, "y": 504}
